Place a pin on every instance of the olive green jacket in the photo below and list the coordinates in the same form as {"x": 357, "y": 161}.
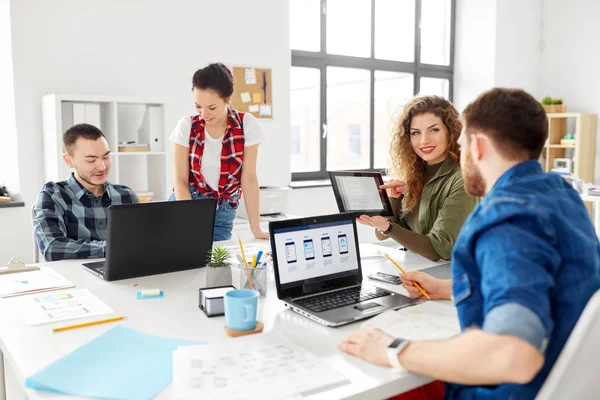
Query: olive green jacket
{"x": 443, "y": 209}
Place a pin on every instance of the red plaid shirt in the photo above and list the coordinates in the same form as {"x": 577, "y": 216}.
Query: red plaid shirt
{"x": 232, "y": 155}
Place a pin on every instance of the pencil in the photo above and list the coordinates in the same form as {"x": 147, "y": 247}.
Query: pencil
{"x": 245, "y": 263}
{"x": 423, "y": 292}
{"x": 102, "y": 321}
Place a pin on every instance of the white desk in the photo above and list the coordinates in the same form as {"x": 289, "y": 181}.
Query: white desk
{"x": 28, "y": 349}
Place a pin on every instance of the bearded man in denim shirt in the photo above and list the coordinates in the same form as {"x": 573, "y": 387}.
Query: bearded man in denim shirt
{"x": 523, "y": 267}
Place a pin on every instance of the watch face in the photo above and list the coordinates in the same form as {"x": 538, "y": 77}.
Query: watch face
{"x": 396, "y": 343}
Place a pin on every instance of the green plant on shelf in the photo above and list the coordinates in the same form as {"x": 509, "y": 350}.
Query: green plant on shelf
{"x": 547, "y": 101}
{"x": 557, "y": 101}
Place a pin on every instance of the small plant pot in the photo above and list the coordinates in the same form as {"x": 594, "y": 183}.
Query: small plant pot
{"x": 555, "y": 108}
{"x": 217, "y": 276}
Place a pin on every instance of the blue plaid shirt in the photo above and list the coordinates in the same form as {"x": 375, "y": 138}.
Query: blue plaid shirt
{"x": 70, "y": 222}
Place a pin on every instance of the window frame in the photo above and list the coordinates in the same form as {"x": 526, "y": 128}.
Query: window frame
{"x": 321, "y": 60}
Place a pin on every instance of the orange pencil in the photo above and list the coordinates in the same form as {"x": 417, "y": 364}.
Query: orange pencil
{"x": 423, "y": 292}
{"x": 102, "y": 321}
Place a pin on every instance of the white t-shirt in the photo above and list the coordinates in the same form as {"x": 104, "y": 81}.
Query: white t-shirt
{"x": 210, "y": 167}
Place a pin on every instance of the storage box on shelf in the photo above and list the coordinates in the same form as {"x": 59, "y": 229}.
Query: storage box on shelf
{"x": 134, "y": 129}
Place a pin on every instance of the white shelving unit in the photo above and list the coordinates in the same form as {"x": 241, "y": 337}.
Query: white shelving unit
{"x": 121, "y": 119}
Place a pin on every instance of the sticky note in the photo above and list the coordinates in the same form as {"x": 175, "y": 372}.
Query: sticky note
{"x": 253, "y": 108}
{"x": 245, "y": 97}
{"x": 256, "y": 98}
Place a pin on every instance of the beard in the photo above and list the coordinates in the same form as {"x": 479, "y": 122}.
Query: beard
{"x": 473, "y": 180}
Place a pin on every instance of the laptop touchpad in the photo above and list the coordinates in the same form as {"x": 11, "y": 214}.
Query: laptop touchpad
{"x": 367, "y": 306}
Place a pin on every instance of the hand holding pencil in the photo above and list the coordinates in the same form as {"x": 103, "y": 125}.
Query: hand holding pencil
{"x": 436, "y": 289}
{"x": 423, "y": 292}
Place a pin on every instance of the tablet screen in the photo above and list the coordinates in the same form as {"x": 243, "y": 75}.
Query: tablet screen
{"x": 359, "y": 192}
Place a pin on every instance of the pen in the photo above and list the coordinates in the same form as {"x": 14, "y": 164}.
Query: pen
{"x": 254, "y": 261}
{"x": 102, "y": 321}
{"x": 423, "y": 292}
{"x": 245, "y": 265}
{"x": 258, "y": 256}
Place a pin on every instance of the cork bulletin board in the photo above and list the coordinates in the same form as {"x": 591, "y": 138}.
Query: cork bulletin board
{"x": 252, "y": 91}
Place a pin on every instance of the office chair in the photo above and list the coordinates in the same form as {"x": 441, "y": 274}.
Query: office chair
{"x": 575, "y": 373}
{"x": 36, "y": 250}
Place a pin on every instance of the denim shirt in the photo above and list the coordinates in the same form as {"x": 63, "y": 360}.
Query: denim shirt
{"x": 525, "y": 264}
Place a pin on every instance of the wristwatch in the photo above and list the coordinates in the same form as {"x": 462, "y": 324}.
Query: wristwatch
{"x": 388, "y": 230}
{"x": 394, "y": 350}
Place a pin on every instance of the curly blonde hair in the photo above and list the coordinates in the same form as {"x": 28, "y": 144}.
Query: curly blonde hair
{"x": 406, "y": 164}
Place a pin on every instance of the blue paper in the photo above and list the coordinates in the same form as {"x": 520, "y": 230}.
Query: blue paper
{"x": 158, "y": 296}
{"x": 122, "y": 363}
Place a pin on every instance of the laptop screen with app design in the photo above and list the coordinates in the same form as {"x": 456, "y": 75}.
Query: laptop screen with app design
{"x": 315, "y": 252}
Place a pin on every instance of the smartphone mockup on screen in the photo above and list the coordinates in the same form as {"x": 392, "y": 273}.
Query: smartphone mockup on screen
{"x": 326, "y": 245}
{"x": 309, "y": 249}
{"x": 290, "y": 252}
{"x": 343, "y": 242}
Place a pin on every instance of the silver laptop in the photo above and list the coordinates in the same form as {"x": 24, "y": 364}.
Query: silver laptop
{"x": 318, "y": 272}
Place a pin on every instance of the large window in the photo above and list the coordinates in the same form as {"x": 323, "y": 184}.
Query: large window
{"x": 354, "y": 65}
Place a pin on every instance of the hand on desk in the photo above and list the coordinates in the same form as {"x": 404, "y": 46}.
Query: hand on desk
{"x": 377, "y": 222}
{"x": 369, "y": 345}
{"x": 395, "y": 188}
{"x": 260, "y": 234}
{"x": 437, "y": 289}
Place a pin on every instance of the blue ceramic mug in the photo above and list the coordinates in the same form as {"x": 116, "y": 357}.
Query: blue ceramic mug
{"x": 240, "y": 309}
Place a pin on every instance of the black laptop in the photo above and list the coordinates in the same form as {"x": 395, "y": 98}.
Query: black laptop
{"x": 318, "y": 271}
{"x": 156, "y": 238}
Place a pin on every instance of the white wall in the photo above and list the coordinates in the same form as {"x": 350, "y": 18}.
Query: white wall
{"x": 146, "y": 49}
{"x": 497, "y": 45}
{"x": 570, "y": 59}
{"x": 475, "y": 49}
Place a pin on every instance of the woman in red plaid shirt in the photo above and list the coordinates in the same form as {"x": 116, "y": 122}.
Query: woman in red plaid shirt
{"x": 215, "y": 152}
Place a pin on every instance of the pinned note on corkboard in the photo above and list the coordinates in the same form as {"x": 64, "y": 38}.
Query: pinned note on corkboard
{"x": 252, "y": 91}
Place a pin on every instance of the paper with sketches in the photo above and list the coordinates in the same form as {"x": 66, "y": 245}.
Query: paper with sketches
{"x": 253, "y": 108}
{"x": 266, "y": 366}
{"x": 425, "y": 321}
{"x": 19, "y": 283}
{"x": 61, "y": 306}
{"x": 250, "y": 75}
{"x": 265, "y": 110}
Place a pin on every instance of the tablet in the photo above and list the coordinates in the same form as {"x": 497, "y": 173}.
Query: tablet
{"x": 359, "y": 193}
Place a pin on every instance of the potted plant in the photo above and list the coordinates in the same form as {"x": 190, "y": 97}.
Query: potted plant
{"x": 552, "y": 105}
{"x": 218, "y": 268}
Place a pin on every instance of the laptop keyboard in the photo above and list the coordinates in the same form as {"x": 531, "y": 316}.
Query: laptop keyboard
{"x": 342, "y": 298}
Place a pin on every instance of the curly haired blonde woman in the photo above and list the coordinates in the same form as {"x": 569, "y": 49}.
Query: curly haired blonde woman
{"x": 428, "y": 196}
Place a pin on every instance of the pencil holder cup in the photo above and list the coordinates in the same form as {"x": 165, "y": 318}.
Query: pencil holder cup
{"x": 250, "y": 278}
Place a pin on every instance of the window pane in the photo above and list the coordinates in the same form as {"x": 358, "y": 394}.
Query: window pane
{"x": 435, "y": 86}
{"x": 303, "y": 14}
{"x": 395, "y": 30}
{"x": 349, "y": 27}
{"x": 392, "y": 91}
{"x": 435, "y": 31}
{"x": 348, "y": 138}
{"x": 304, "y": 119}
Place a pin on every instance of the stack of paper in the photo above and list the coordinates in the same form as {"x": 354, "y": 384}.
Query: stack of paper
{"x": 265, "y": 366}
{"x": 122, "y": 363}
{"x": 19, "y": 283}
{"x": 425, "y": 321}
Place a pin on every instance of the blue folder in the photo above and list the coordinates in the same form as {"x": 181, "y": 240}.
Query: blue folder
{"x": 122, "y": 363}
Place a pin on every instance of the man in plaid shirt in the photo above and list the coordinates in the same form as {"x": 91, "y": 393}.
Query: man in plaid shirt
{"x": 70, "y": 216}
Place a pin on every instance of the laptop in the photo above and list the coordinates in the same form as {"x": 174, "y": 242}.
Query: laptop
{"x": 318, "y": 272}
{"x": 156, "y": 238}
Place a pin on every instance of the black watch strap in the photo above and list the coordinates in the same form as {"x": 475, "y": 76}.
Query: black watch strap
{"x": 389, "y": 229}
